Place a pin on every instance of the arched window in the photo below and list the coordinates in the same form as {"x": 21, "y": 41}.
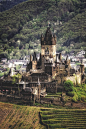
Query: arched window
{"x": 46, "y": 50}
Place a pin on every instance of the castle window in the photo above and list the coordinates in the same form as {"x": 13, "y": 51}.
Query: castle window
{"x": 47, "y": 50}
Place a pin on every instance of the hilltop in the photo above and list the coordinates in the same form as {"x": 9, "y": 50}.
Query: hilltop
{"x": 22, "y": 25}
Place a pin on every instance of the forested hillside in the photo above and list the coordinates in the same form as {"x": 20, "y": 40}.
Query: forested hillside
{"x": 21, "y": 26}
{"x": 7, "y": 4}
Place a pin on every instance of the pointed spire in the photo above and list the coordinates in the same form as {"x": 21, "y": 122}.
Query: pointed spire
{"x": 48, "y": 24}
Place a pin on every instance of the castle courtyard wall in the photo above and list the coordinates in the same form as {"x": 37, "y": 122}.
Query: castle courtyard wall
{"x": 76, "y": 79}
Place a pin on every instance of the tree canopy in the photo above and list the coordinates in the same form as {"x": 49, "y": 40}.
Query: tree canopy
{"x": 68, "y": 85}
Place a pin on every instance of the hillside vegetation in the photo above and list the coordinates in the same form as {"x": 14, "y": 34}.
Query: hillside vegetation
{"x": 74, "y": 31}
{"x": 19, "y": 117}
{"x": 21, "y": 26}
{"x": 7, "y": 4}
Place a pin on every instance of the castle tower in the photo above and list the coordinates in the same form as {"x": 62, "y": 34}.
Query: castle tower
{"x": 82, "y": 68}
{"x": 31, "y": 58}
{"x": 48, "y": 45}
{"x": 60, "y": 56}
{"x": 34, "y": 62}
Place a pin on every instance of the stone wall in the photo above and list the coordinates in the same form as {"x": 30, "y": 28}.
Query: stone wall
{"x": 51, "y": 88}
{"x": 76, "y": 79}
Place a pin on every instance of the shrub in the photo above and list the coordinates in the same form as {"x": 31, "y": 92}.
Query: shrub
{"x": 75, "y": 98}
{"x": 71, "y": 93}
{"x": 75, "y": 89}
{"x": 68, "y": 85}
{"x": 83, "y": 97}
{"x": 84, "y": 87}
{"x": 79, "y": 97}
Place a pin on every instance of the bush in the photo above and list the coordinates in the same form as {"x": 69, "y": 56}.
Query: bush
{"x": 68, "y": 85}
{"x": 75, "y": 89}
{"x": 83, "y": 98}
{"x": 55, "y": 19}
{"x": 79, "y": 97}
{"x": 71, "y": 93}
{"x": 75, "y": 98}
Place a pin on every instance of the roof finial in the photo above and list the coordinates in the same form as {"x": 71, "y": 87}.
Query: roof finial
{"x": 49, "y": 24}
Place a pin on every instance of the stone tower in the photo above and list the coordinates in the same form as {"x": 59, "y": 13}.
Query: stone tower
{"x": 34, "y": 62}
{"x": 48, "y": 45}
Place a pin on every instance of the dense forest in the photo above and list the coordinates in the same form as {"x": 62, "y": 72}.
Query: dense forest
{"x": 22, "y": 25}
{"x": 7, "y": 4}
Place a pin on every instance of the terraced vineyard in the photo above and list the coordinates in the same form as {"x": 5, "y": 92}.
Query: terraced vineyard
{"x": 27, "y": 117}
{"x": 19, "y": 117}
{"x": 64, "y": 118}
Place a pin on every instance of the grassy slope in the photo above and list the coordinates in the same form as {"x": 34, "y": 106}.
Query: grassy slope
{"x": 19, "y": 117}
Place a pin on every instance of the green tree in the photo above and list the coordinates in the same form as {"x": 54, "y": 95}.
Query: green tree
{"x": 55, "y": 19}
{"x": 4, "y": 36}
{"x": 68, "y": 85}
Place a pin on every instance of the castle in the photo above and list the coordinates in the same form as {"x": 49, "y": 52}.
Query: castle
{"x": 50, "y": 69}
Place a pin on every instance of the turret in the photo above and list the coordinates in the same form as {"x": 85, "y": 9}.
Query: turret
{"x": 67, "y": 62}
{"x": 82, "y": 72}
{"x": 82, "y": 68}
{"x": 30, "y": 58}
{"x": 57, "y": 58}
{"x": 54, "y": 37}
{"x": 34, "y": 57}
{"x": 60, "y": 56}
{"x": 42, "y": 39}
